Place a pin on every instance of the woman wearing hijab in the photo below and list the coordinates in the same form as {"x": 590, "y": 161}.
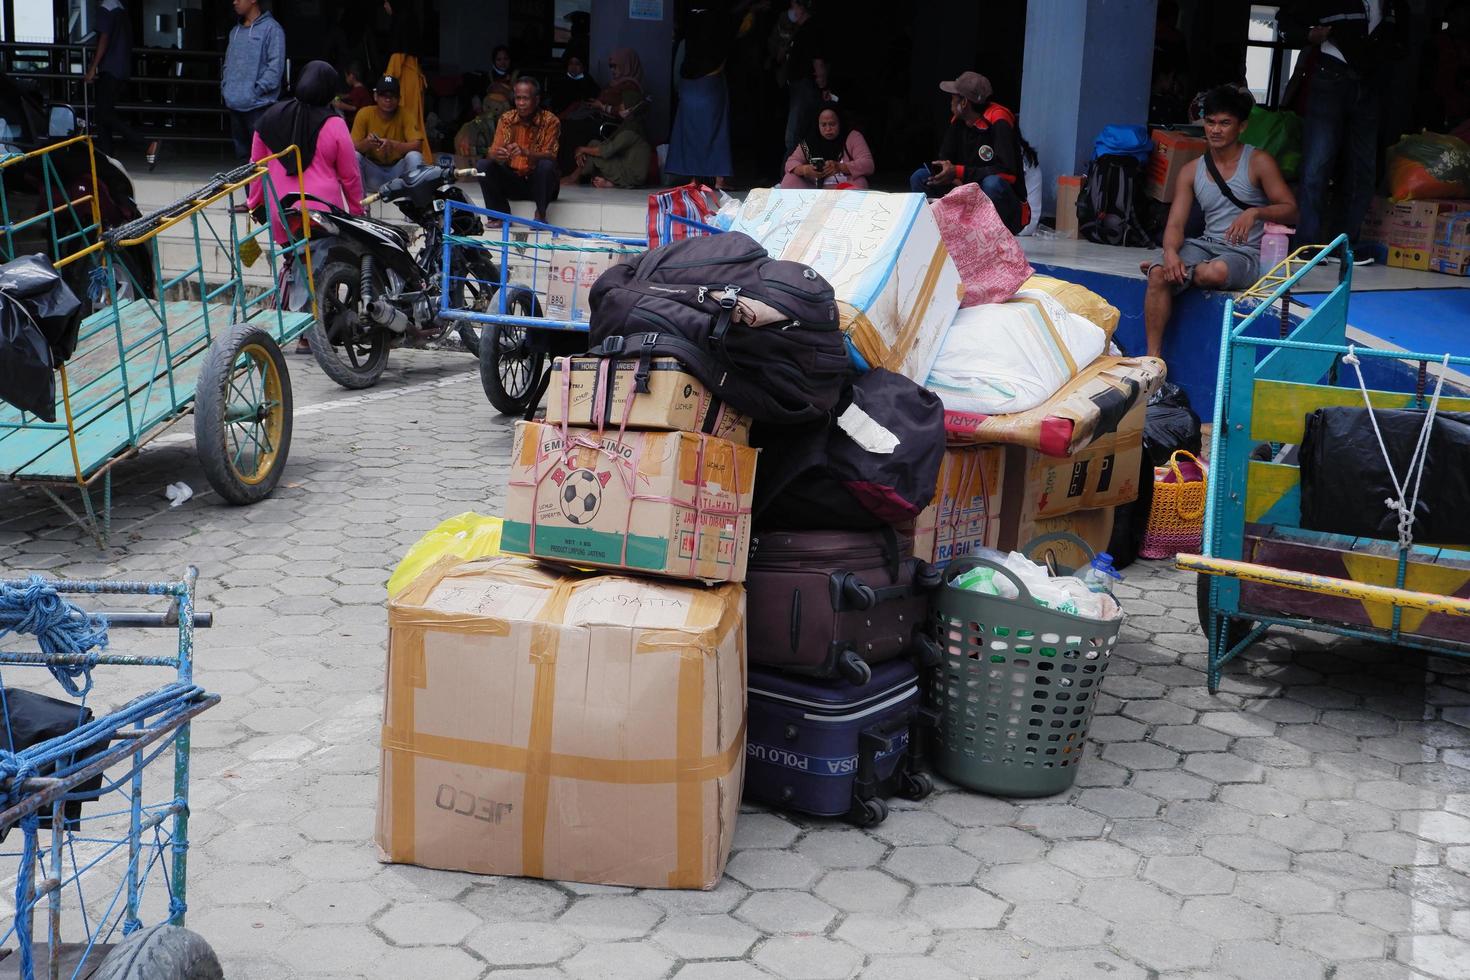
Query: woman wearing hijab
{"x": 501, "y": 93}
{"x": 624, "y": 92}
{"x": 830, "y": 156}
{"x": 574, "y": 89}
{"x": 329, "y": 168}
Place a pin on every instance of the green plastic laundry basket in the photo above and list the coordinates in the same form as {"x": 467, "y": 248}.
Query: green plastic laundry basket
{"x": 1016, "y": 687}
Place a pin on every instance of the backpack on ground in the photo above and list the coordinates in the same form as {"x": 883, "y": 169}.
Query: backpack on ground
{"x": 762, "y": 334}
{"x": 1108, "y": 207}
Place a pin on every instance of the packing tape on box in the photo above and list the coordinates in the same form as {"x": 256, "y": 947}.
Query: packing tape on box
{"x": 688, "y": 770}
{"x": 904, "y": 342}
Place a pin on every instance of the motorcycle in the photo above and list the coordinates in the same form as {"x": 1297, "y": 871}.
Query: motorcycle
{"x": 376, "y": 290}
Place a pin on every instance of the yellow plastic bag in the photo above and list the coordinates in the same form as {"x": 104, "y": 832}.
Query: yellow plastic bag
{"x": 468, "y": 536}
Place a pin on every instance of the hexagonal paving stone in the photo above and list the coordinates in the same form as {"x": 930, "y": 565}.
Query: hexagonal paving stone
{"x": 1395, "y": 848}
{"x": 972, "y": 810}
{"x": 914, "y": 827}
{"x": 1140, "y": 755}
{"x": 619, "y": 961}
{"x": 1283, "y": 893}
{"x": 1247, "y": 853}
{"x": 427, "y": 923}
{"x": 1057, "y": 821}
{"x": 1057, "y": 926}
{"x": 720, "y": 970}
{"x": 757, "y": 830}
{"x": 607, "y": 918}
{"x": 1190, "y": 875}
{"x": 1030, "y": 883}
{"x": 504, "y": 944}
{"x": 786, "y": 911}
{"x": 1224, "y": 917}
{"x": 907, "y": 968}
{"x": 506, "y": 899}
{"x": 1094, "y": 858}
{"x": 1171, "y": 785}
{"x": 1000, "y": 845}
{"x": 1114, "y": 802}
{"x": 705, "y": 937}
{"x": 1442, "y": 828}
{"x": 955, "y": 907}
{"x": 1163, "y": 946}
{"x": 1254, "y": 959}
{"x": 1301, "y": 833}
{"x": 1001, "y": 955}
{"x": 808, "y": 958}
{"x": 1224, "y": 767}
{"x": 1333, "y": 937}
{"x": 334, "y": 902}
{"x": 840, "y": 849}
{"x": 880, "y": 935}
{"x": 1126, "y": 901}
{"x": 861, "y": 891}
{"x": 333, "y": 949}
{"x": 772, "y": 869}
{"x": 931, "y": 865}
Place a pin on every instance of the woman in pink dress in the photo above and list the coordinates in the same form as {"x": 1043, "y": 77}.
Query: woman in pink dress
{"x": 831, "y": 156}
{"x": 328, "y": 159}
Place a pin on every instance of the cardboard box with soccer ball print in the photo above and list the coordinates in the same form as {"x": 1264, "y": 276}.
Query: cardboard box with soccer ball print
{"x": 661, "y": 503}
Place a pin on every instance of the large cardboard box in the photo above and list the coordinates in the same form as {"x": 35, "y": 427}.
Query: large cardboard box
{"x": 897, "y": 288}
{"x": 1094, "y": 527}
{"x": 676, "y": 399}
{"x": 1090, "y": 405}
{"x": 663, "y": 503}
{"x": 965, "y": 513}
{"x": 570, "y": 279}
{"x": 581, "y": 728}
{"x": 1104, "y": 474}
{"x": 1069, "y": 186}
{"x": 1410, "y": 229}
{"x": 1451, "y": 252}
{"x": 1375, "y": 222}
{"x": 1171, "y": 152}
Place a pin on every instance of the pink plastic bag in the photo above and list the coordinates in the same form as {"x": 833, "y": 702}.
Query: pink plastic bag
{"x": 991, "y": 263}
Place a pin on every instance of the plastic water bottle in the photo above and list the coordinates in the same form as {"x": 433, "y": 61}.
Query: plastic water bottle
{"x": 1274, "y": 245}
{"x": 1101, "y": 574}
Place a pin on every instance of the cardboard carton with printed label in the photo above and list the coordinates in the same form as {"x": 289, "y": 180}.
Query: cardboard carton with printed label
{"x": 660, "y": 503}
{"x": 562, "y": 726}
{"x": 600, "y": 392}
{"x": 570, "y": 279}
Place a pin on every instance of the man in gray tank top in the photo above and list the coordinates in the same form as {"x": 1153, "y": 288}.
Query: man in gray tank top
{"x": 1244, "y": 191}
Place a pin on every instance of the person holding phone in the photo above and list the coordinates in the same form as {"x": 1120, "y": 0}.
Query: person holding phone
{"x": 830, "y": 156}
{"x": 981, "y": 146}
{"x": 387, "y": 140}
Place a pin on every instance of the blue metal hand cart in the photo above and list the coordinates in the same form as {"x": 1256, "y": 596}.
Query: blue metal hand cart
{"x": 1260, "y": 567}
{"x": 100, "y": 849}
{"x": 146, "y": 357}
{"x": 517, "y": 337}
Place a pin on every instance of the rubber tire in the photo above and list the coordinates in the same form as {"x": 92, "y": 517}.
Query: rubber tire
{"x": 161, "y": 952}
{"x": 490, "y": 358}
{"x": 482, "y": 267}
{"x": 1235, "y": 629}
{"x": 868, "y": 813}
{"x": 321, "y": 346}
{"x": 210, "y": 401}
{"x": 916, "y": 786}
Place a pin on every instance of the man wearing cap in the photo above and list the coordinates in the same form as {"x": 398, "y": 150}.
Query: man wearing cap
{"x": 522, "y": 159}
{"x": 386, "y": 139}
{"x": 982, "y": 146}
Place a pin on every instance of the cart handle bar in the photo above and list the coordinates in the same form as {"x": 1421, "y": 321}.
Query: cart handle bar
{"x": 464, "y": 173}
{"x": 1324, "y": 584}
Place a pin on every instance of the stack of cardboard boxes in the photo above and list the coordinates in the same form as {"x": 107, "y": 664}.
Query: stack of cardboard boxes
{"x": 1429, "y": 236}
{"x": 552, "y": 721}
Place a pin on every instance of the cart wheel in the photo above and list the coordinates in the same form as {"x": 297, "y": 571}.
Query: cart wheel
{"x": 476, "y": 291}
{"x": 242, "y": 414}
{"x": 1235, "y": 629}
{"x": 161, "y": 952}
{"x": 509, "y": 367}
{"x": 868, "y": 813}
{"x": 916, "y": 786}
{"x": 347, "y": 357}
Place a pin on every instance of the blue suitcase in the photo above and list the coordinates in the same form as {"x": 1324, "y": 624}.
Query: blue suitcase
{"x": 835, "y": 749}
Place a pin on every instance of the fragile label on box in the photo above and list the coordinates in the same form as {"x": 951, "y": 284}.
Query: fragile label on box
{"x": 664, "y": 503}
{"x": 596, "y": 392}
{"x": 571, "y": 278}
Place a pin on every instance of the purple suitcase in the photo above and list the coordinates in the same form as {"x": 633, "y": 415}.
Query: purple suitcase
{"x": 835, "y": 749}
{"x": 834, "y": 603}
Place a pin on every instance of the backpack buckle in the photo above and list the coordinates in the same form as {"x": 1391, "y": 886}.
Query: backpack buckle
{"x": 645, "y": 364}
{"x": 610, "y": 347}
{"x": 730, "y": 298}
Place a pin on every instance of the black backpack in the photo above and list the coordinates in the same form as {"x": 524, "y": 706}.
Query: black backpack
{"x": 875, "y": 467}
{"x": 1108, "y": 208}
{"x": 762, "y": 334}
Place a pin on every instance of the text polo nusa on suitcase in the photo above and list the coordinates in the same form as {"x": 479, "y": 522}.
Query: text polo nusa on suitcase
{"x": 837, "y": 628}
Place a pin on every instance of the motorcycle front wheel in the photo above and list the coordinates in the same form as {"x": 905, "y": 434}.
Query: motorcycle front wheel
{"x": 351, "y": 359}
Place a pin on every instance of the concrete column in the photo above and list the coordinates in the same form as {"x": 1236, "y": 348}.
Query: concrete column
{"x": 1087, "y": 64}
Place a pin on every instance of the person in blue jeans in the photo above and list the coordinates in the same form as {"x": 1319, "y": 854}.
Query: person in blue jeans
{"x": 1354, "y": 39}
{"x": 982, "y": 146}
{"x": 255, "y": 69}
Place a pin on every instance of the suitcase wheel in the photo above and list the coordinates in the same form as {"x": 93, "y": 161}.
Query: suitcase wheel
{"x": 856, "y": 594}
{"x": 927, "y": 652}
{"x": 927, "y": 577}
{"x": 868, "y": 813}
{"x": 853, "y": 667}
{"x": 916, "y": 786}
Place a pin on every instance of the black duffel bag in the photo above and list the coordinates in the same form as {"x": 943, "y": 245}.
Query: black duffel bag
{"x": 875, "y": 463}
{"x": 761, "y": 333}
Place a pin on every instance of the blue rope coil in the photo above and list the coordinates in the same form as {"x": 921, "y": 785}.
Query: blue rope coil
{"x": 61, "y": 629}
